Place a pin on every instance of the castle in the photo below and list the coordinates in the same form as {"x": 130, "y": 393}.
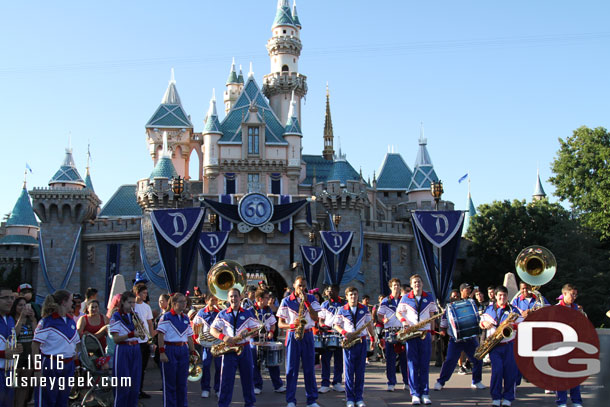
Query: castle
{"x": 256, "y": 146}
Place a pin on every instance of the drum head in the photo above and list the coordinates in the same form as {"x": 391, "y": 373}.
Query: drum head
{"x": 463, "y": 319}
{"x": 91, "y": 349}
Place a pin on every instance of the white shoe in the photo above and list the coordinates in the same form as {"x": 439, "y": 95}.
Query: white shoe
{"x": 506, "y": 403}
{"x": 294, "y": 405}
{"x": 562, "y": 405}
{"x": 257, "y": 391}
{"x": 313, "y": 405}
{"x": 360, "y": 404}
{"x": 415, "y": 401}
{"x": 478, "y": 385}
{"x": 576, "y": 405}
{"x": 350, "y": 404}
{"x": 552, "y": 392}
{"x": 390, "y": 387}
{"x": 426, "y": 399}
{"x": 280, "y": 389}
{"x": 205, "y": 394}
{"x": 324, "y": 389}
{"x": 338, "y": 387}
{"x": 438, "y": 386}
{"x": 496, "y": 403}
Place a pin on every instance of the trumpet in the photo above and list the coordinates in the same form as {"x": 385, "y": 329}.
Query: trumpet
{"x": 141, "y": 331}
{"x": 10, "y": 365}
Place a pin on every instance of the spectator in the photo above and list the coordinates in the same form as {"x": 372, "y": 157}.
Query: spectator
{"x": 26, "y": 322}
{"x": 26, "y": 291}
{"x": 145, "y": 313}
{"x": 454, "y": 296}
{"x": 90, "y": 294}
{"x": 94, "y": 323}
{"x": 77, "y": 300}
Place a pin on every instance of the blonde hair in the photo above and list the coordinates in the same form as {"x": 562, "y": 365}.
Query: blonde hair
{"x": 52, "y": 301}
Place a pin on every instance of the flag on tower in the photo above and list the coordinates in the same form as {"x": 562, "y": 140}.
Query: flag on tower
{"x": 464, "y": 177}
{"x": 27, "y": 167}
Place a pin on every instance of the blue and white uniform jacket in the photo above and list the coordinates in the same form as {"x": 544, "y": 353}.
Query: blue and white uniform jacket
{"x": 175, "y": 327}
{"x": 205, "y": 317}
{"x": 345, "y": 318}
{"x": 57, "y": 335}
{"x": 496, "y": 315}
{"x": 387, "y": 309}
{"x": 265, "y": 315}
{"x": 329, "y": 310}
{"x": 233, "y": 325}
{"x": 7, "y": 323}
{"x": 122, "y": 324}
{"x": 413, "y": 310}
{"x": 289, "y": 309}
{"x": 524, "y": 303}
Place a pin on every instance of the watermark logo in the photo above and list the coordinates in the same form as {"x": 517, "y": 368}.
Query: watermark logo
{"x": 557, "y": 348}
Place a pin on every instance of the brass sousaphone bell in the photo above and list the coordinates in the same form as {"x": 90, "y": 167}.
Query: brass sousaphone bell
{"x": 224, "y": 276}
{"x": 536, "y": 266}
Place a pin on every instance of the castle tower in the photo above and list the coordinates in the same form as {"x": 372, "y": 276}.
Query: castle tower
{"x": 539, "y": 193}
{"x": 234, "y": 86}
{"x": 211, "y": 154}
{"x": 329, "y": 150}
{"x": 62, "y": 208}
{"x": 470, "y": 213}
{"x": 423, "y": 174}
{"x": 284, "y": 49}
{"x": 170, "y": 117}
{"x": 293, "y": 135}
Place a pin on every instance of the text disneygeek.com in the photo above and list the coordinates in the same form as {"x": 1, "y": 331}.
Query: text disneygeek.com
{"x": 62, "y": 383}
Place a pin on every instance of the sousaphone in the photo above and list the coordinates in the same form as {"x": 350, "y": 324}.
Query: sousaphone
{"x": 536, "y": 266}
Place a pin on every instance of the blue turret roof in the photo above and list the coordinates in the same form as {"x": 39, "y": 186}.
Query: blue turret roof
{"x": 170, "y": 114}
{"x": 123, "y": 203}
{"x": 394, "y": 173}
{"x": 295, "y": 16}
{"x": 232, "y": 75}
{"x": 283, "y": 16}
{"x": 423, "y": 173}
{"x": 18, "y": 240}
{"x": 251, "y": 96}
{"x": 22, "y": 214}
{"x": 292, "y": 124}
{"x": 342, "y": 171}
{"x": 538, "y": 190}
{"x": 164, "y": 169}
{"x": 316, "y": 165}
{"x": 67, "y": 173}
{"x": 88, "y": 182}
{"x": 471, "y": 209}
{"x": 212, "y": 125}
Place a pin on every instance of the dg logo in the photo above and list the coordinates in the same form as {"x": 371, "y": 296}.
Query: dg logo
{"x": 557, "y": 348}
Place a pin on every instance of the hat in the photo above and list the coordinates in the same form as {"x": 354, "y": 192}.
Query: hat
{"x": 463, "y": 286}
{"x": 140, "y": 278}
{"x": 77, "y": 296}
{"x": 24, "y": 287}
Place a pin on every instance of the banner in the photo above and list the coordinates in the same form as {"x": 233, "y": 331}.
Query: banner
{"x": 310, "y": 258}
{"x": 286, "y": 225}
{"x": 226, "y": 224}
{"x": 177, "y": 234}
{"x": 385, "y": 268}
{"x": 212, "y": 248}
{"x": 113, "y": 263}
{"x": 152, "y": 270}
{"x": 336, "y": 252}
{"x": 438, "y": 235}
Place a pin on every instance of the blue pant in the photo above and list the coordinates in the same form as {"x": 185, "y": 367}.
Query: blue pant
{"x": 390, "y": 367}
{"x": 6, "y": 393}
{"x": 231, "y": 362}
{"x": 206, "y": 363}
{"x": 562, "y": 396}
{"x": 354, "y": 362}
{"x": 503, "y": 369}
{"x": 127, "y": 363}
{"x": 274, "y": 373}
{"x": 418, "y": 357}
{"x": 297, "y": 351}
{"x": 454, "y": 350}
{"x": 175, "y": 374}
{"x": 337, "y": 355}
{"x": 54, "y": 396}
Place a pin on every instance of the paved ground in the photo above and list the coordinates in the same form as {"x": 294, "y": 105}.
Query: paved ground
{"x": 457, "y": 392}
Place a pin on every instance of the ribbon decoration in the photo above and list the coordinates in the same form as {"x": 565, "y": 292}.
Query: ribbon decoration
{"x": 69, "y": 268}
{"x": 152, "y": 270}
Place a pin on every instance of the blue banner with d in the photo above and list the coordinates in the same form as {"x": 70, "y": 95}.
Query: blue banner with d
{"x": 177, "y": 235}
{"x": 212, "y": 248}
{"x": 311, "y": 259}
{"x": 336, "y": 252}
{"x": 385, "y": 268}
{"x": 438, "y": 235}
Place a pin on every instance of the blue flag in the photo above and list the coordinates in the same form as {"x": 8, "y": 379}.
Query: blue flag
{"x": 464, "y": 177}
{"x": 212, "y": 248}
{"x": 336, "y": 252}
{"x": 27, "y": 167}
{"x": 311, "y": 256}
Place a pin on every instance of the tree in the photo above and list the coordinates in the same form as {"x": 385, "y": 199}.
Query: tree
{"x": 500, "y": 230}
{"x": 582, "y": 176}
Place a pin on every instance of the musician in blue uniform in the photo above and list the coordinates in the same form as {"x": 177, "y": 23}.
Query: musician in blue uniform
{"x": 127, "y": 355}
{"x": 503, "y": 365}
{"x": 569, "y": 297}
{"x": 7, "y": 325}
{"x": 387, "y": 314}
{"x": 56, "y": 339}
{"x": 414, "y": 308}
{"x": 455, "y": 349}
{"x": 204, "y": 319}
{"x": 326, "y": 316}
{"x": 299, "y": 350}
{"x": 264, "y": 314}
{"x": 231, "y": 326}
{"x": 176, "y": 348}
{"x": 348, "y": 320}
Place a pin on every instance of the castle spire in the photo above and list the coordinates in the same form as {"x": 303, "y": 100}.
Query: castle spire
{"x": 292, "y": 124}
{"x": 283, "y": 15}
{"x": 240, "y": 77}
{"x": 538, "y": 190}
{"x": 295, "y": 16}
{"x": 67, "y": 175}
{"x": 88, "y": 182}
{"x": 232, "y": 75}
{"x": 328, "y": 151}
{"x": 423, "y": 171}
{"x": 171, "y": 96}
{"x": 212, "y": 124}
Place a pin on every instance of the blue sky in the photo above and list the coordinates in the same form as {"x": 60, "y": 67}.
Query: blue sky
{"x": 495, "y": 83}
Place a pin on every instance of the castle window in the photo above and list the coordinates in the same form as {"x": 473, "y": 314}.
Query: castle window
{"x": 284, "y": 31}
{"x": 285, "y": 68}
{"x": 230, "y": 183}
{"x": 253, "y": 140}
{"x": 254, "y": 184}
{"x": 385, "y": 194}
{"x": 276, "y": 183}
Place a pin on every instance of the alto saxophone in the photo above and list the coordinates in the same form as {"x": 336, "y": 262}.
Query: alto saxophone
{"x": 348, "y": 344}
{"x": 504, "y": 330}
{"x": 10, "y": 365}
{"x": 412, "y": 331}
{"x": 223, "y": 348}
{"x": 299, "y": 330}
{"x": 141, "y": 332}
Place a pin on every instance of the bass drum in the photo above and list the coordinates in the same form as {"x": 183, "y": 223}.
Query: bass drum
{"x": 463, "y": 320}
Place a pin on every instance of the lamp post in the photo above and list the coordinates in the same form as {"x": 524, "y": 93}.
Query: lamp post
{"x": 177, "y": 188}
{"x": 212, "y": 217}
{"x": 436, "y": 189}
{"x": 336, "y": 220}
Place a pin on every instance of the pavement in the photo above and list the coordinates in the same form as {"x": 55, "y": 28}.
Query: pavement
{"x": 457, "y": 392}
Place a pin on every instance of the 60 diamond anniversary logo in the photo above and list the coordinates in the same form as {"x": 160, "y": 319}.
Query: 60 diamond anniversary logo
{"x": 557, "y": 348}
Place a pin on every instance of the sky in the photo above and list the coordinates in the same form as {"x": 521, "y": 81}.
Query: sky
{"x": 495, "y": 84}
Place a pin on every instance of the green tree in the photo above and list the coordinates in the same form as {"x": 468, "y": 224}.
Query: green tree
{"x": 582, "y": 176}
{"x": 500, "y": 230}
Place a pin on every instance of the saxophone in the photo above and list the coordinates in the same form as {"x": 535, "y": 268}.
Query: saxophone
{"x": 348, "y": 344}
{"x": 223, "y": 348}
{"x": 299, "y": 330}
{"x": 141, "y": 332}
{"x": 10, "y": 365}
{"x": 504, "y": 330}
{"x": 412, "y": 331}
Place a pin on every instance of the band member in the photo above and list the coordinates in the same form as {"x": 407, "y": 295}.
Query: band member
{"x": 387, "y": 315}
{"x": 413, "y": 308}
{"x": 56, "y": 339}
{"x": 205, "y": 317}
{"x": 7, "y": 325}
{"x": 455, "y": 349}
{"x": 249, "y": 297}
{"x": 175, "y": 346}
{"x": 299, "y": 350}
{"x": 527, "y": 300}
{"x": 347, "y": 321}
{"x": 263, "y": 313}
{"x": 127, "y": 355}
{"x": 326, "y": 315}
{"x": 503, "y": 366}
{"x": 569, "y": 297}
{"x": 146, "y": 316}
{"x": 230, "y": 326}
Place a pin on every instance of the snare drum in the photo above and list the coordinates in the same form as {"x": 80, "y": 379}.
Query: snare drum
{"x": 391, "y": 335}
{"x": 271, "y": 353}
{"x": 332, "y": 342}
{"x": 318, "y": 343}
{"x": 463, "y": 320}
